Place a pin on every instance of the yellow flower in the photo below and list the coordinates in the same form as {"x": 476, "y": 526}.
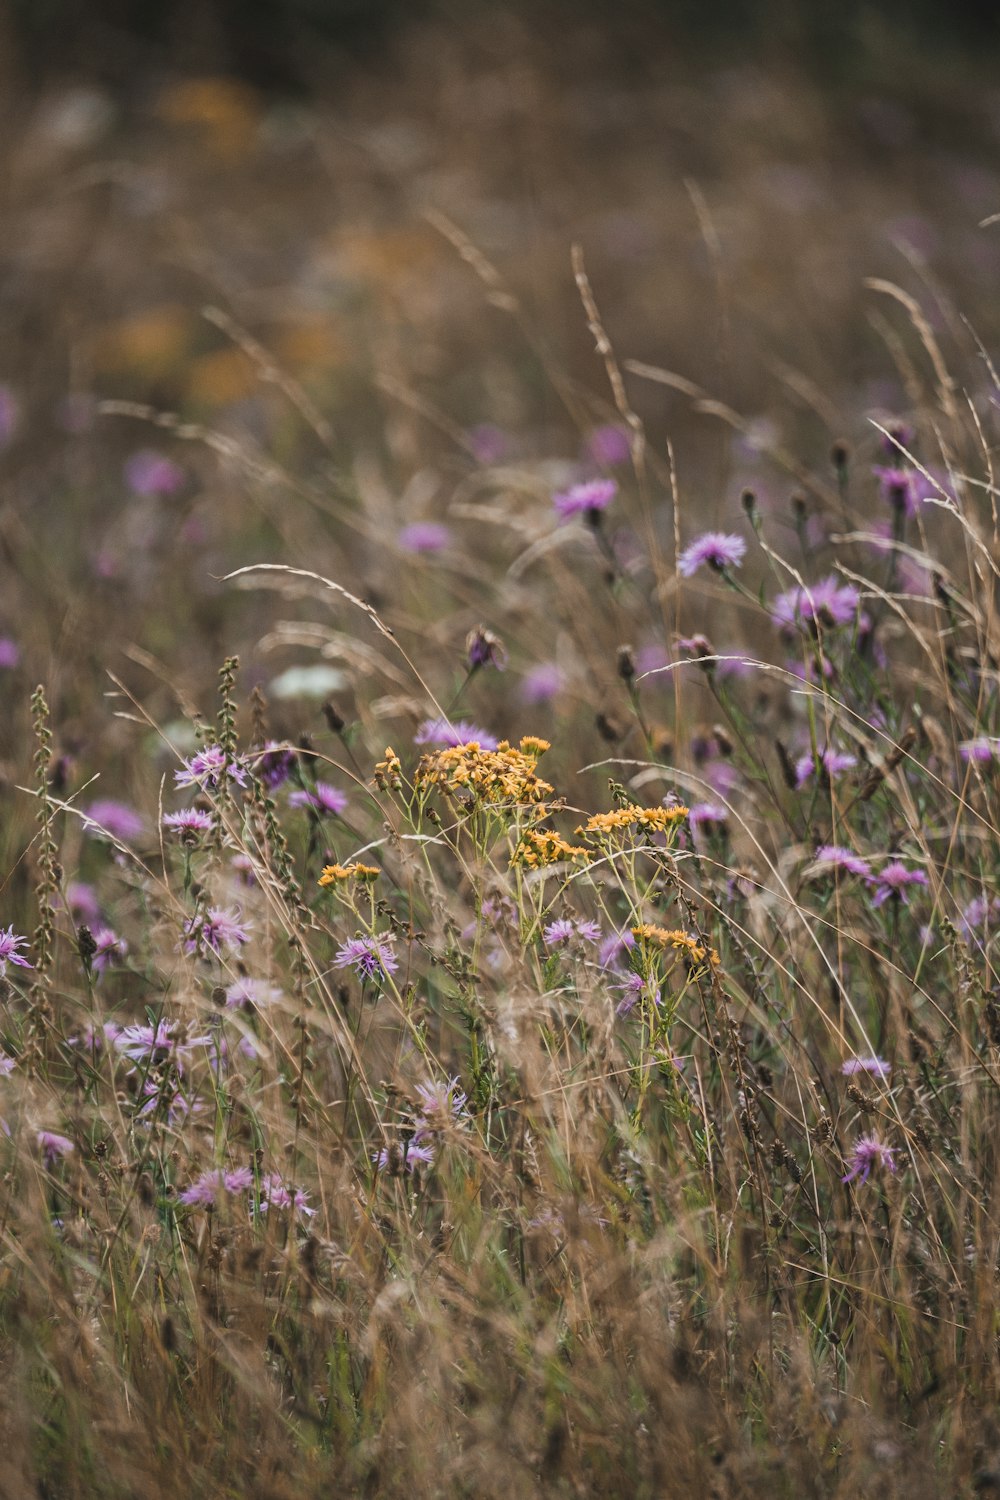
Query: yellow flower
{"x": 658, "y": 819}
{"x": 336, "y": 874}
{"x": 665, "y": 937}
{"x": 543, "y": 846}
{"x": 500, "y": 776}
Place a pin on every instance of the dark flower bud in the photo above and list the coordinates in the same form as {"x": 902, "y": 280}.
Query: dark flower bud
{"x": 626, "y": 663}
{"x": 334, "y": 718}
{"x": 748, "y": 500}
{"x": 484, "y": 649}
{"x": 840, "y": 455}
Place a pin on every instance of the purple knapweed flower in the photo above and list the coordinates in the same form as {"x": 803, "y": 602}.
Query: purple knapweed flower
{"x": 868, "y": 1152}
{"x": 839, "y": 858}
{"x": 614, "y": 946}
{"x": 7, "y": 1065}
{"x": 207, "y": 1189}
{"x": 115, "y": 818}
{"x": 979, "y": 751}
{"x": 275, "y": 1193}
{"x": 443, "y": 732}
{"x": 252, "y": 994}
{"x": 424, "y": 536}
{"x": 541, "y": 683}
{"x": 164, "y": 1042}
{"x": 169, "y": 1104}
{"x": 9, "y": 944}
{"x": 82, "y": 901}
{"x": 483, "y": 648}
{"x": 893, "y": 879}
{"x": 608, "y": 446}
{"x": 325, "y": 800}
{"x": 442, "y": 1105}
{"x": 897, "y": 435}
{"x": 110, "y": 949}
{"x": 396, "y": 1159}
{"x": 588, "y": 499}
{"x": 369, "y": 957}
{"x": 208, "y": 769}
{"x": 899, "y": 488}
{"x": 10, "y": 653}
{"x": 877, "y": 1066}
{"x": 832, "y": 763}
{"x": 489, "y": 443}
{"x": 190, "y": 820}
{"x": 715, "y": 549}
{"x": 273, "y": 765}
{"x": 565, "y": 929}
{"x": 150, "y": 473}
{"x": 633, "y": 987}
{"x": 54, "y": 1147}
{"x": 827, "y": 603}
{"x": 710, "y": 814}
{"x": 217, "y": 928}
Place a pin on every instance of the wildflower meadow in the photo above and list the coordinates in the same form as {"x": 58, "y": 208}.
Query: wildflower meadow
{"x": 501, "y": 848}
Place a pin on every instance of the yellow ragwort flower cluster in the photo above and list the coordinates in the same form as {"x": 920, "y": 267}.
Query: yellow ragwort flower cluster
{"x": 656, "y": 819}
{"x": 503, "y": 775}
{"x": 665, "y": 937}
{"x": 336, "y": 874}
{"x": 389, "y": 770}
{"x": 542, "y": 846}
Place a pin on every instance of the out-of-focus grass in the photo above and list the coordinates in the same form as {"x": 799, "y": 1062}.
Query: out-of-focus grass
{"x": 616, "y": 1117}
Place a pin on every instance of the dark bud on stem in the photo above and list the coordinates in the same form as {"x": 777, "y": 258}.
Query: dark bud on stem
{"x": 748, "y": 500}
{"x": 485, "y": 649}
{"x": 609, "y": 729}
{"x": 85, "y": 945}
{"x": 840, "y": 455}
{"x": 626, "y": 663}
{"x": 334, "y": 718}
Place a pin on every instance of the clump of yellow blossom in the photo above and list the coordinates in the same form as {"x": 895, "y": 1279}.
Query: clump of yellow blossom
{"x": 542, "y": 846}
{"x": 499, "y": 776}
{"x": 665, "y": 937}
{"x": 337, "y": 874}
{"x": 656, "y": 819}
{"x": 389, "y": 770}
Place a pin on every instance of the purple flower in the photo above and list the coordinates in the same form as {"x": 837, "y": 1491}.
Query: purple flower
{"x": 161, "y": 1043}
{"x": 217, "y": 928}
{"x": 207, "y": 1189}
{"x": 827, "y": 603}
{"x": 395, "y": 1159}
{"x": 424, "y": 536}
{"x": 251, "y": 995}
{"x": 541, "y": 683}
{"x": 115, "y": 818}
{"x": 832, "y": 763}
{"x": 567, "y": 928}
{"x": 608, "y": 446}
{"x": 10, "y": 652}
{"x": 893, "y": 879}
{"x": 710, "y": 813}
{"x": 897, "y": 435}
{"x": 980, "y": 750}
{"x": 633, "y": 987}
{"x": 150, "y": 473}
{"x": 369, "y": 957}
{"x": 614, "y": 946}
{"x": 485, "y": 649}
{"x": 9, "y": 944}
{"x": 324, "y": 800}
{"x": 275, "y": 1193}
{"x": 868, "y": 1152}
{"x": 443, "y": 732}
{"x": 490, "y": 444}
{"x": 190, "y": 820}
{"x": 208, "y": 769}
{"x": 110, "y": 949}
{"x": 875, "y": 1065}
{"x": 274, "y": 764}
{"x": 82, "y": 901}
{"x": 899, "y": 488}
{"x": 839, "y": 858}
{"x": 167, "y": 1103}
{"x": 715, "y": 549}
{"x": 441, "y": 1105}
{"x": 585, "y": 499}
{"x": 54, "y": 1147}
{"x": 7, "y": 1065}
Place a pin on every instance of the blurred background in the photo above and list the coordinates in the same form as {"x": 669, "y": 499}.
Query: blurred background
{"x": 316, "y": 256}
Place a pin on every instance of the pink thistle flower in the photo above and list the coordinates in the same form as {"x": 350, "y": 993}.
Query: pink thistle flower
{"x": 275, "y": 1193}
{"x": 273, "y": 765}
{"x": 874, "y": 1065}
{"x": 110, "y": 949}
{"x": 324, "y": 800}
{"x": 893, "y": 879}
{"x": 827, "y": 603}
{"x": 251, "y": 994}
{"x": 424, "y": 536}
{"x": 209, "y": 769}
{"x": 567, "y": 928}
{"x": 979, "y": 751}
{"x": 150, "y": 473}
{"x": 832, "y": 763}
{"x": 715, "y": 549}
{"x": 838, "y": 858}
{"x": 9, "y": 944}
{"x": 443, "y": 732}
{"x": 633, "y": 988}
{"x": 54, "y": 1147}
{"x": 868, "y": 1152}
{"x": 396, "y": 1159}
{"x": 191, "y": 820}
{"x": 588, "y": 499}
{"x": 541, "y": 683}
{"x": 441, "y": 1105}
{"x": 164, "y": 1042}
{"x": 608, "y": 446}
{"x": 10, "y": 653}
{"x": 207, "y": 1190}
{"x": 115, "y": 818}
{"x": 899, "y": 488}
{"x": 217, "y": 928}
{"x": 369, "y": 957}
